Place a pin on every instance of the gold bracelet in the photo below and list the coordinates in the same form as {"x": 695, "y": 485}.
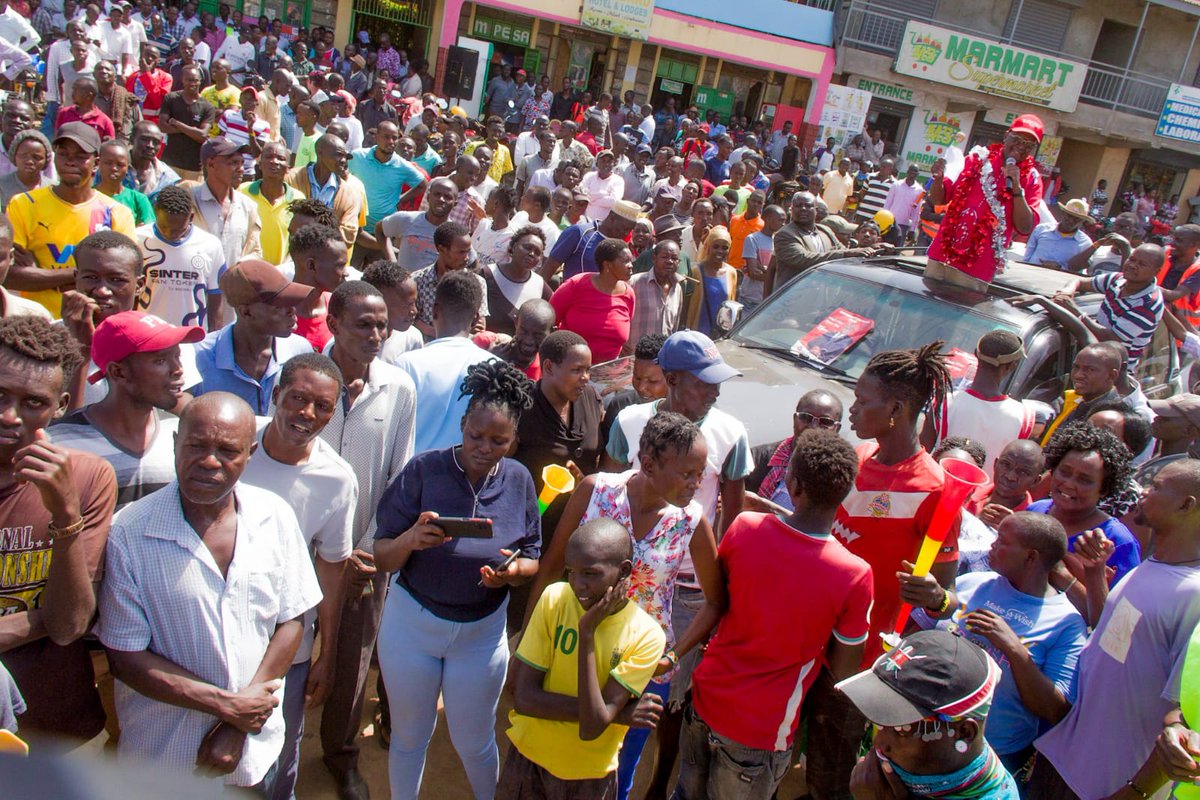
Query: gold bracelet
{"x": 70, "y": 532}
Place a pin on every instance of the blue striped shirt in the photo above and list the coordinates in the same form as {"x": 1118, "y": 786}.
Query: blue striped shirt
{"x": 1133, "y": 318}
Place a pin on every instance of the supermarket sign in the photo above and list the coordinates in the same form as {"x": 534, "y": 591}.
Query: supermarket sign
{"x": 982, "y": 65}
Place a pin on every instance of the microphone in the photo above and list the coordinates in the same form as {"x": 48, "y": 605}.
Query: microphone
{"x": 1008, "y": 178}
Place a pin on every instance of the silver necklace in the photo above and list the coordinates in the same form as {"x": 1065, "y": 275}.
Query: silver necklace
{"x": 474, "y": 494}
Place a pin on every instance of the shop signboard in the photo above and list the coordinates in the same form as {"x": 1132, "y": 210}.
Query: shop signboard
{"x": 844, "y": 114}
{"x": 708, "y": 99}
{"x": 886, "y": 91}
{"x": 930, "y": 133}
{"x": 671, "y": 87}
{"x": 496, "y": 30}
{"x": 628, "y": 18}
{"x": 982, "y": 65}
{"x": 580, "y": 65}
{"x": 1180, "y": 118}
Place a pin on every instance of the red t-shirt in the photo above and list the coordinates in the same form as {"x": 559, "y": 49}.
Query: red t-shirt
{"x": 95, "y": 118}
{"x": 150, "y": 88}
{"x": 315, "y": 330}
{"x": 788, "y": 592}
{"x": 602, "y": 319}
{"x": 883, "y": 521}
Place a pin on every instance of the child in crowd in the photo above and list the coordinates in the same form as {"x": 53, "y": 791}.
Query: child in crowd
{"x": 579, "y": 675}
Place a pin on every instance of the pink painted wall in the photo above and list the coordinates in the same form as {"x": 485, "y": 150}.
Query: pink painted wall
{"x": 820, "y": 80}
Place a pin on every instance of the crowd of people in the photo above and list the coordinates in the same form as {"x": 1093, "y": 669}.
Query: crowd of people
{"x": 288, "y": 344}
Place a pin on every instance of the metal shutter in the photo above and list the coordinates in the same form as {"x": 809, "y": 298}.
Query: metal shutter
{"x": 1038, "y": 24}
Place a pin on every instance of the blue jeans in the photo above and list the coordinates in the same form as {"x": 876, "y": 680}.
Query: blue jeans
{"x": 714, "y": 766}
{"x": 633, "y": 744}
{"x": 422, "y": 655}
{"x": 288, "y": 764}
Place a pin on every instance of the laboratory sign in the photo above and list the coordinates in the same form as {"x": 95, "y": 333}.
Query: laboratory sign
{"x": 981, "y": 65}
{"x": 1180, "y": 118}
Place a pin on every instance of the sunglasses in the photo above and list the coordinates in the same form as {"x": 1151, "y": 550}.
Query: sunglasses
{"x": 821, "y": 422}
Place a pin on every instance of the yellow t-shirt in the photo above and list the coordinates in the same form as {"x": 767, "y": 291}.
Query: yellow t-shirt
{"x": 628, "y": 647}
{"x": 230, "y": 97}
{"x": 836, "y": 188}
{"x": 50, "y": 228}
{"x": 275, "y": 220}
{"x": 502, "y": 161}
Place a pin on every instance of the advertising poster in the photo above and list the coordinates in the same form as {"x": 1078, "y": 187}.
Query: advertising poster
{"x": 844, "y": 114}
{"x": 929, "y": 134}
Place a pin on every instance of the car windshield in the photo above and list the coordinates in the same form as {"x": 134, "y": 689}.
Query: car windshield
{"x": 841, "y": 322}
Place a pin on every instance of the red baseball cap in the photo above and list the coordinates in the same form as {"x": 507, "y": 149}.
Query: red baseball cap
{"x": 129, "y": 332}
{"x": 1030, "y": 124}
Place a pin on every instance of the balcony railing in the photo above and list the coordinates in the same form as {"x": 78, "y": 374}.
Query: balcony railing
{"x": 879, "y": 29}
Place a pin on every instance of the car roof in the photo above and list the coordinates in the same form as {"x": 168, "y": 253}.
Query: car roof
{"x": 907, "y": 274}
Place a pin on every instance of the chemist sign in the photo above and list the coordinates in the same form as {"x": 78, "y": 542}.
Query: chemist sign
{"x": 982, "y": 65}
{"x": 1180, "y": 118}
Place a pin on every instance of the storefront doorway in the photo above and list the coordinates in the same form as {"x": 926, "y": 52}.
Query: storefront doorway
{"x": 407, "y": 23}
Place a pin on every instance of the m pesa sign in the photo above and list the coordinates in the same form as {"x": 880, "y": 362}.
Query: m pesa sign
{"x": 981, "y": 65}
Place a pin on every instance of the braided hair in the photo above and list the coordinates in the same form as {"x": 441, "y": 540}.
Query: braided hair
{"x": 497, "y": 384}
{"x": 915, "y": 377}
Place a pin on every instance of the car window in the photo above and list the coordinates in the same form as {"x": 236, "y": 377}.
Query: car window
{"x": 902, "y": 320}
{"x": 1048, "y": 361}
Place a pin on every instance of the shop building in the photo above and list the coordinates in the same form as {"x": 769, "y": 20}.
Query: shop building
{"x": 1098, "y": 72}
{"x": 752, "y": 57}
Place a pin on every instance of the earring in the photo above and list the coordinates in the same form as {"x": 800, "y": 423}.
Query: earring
{"x": 961, "y": 746}
{"x": 891, "y": 422}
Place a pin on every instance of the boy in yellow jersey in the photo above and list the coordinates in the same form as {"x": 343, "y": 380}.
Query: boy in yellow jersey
{"x": 49, "y": 222}
{"x": 578, "y": 679}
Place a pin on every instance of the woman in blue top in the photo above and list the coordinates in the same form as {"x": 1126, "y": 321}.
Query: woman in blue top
{"x": 1087, "y": 464}
{"x": 720, "y": 279}
{"x": 443, "y": 622}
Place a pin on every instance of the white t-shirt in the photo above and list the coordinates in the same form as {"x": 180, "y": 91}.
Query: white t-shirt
{"x": 517, "y": 293}
{"x": 180, "y": 275}
{"x": 114, "y": 42}
{"x": 236, "y": 53}
{"x": 603, "y": 193}
{"x": 991, "y": 421}
{"x": 492, "y": 244}
{"x": 323, "y": 492}
{"x": 547, "y": 226}
{"x": 355, "y": 129}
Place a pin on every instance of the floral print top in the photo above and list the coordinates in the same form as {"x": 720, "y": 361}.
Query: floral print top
{"x": 656, "y": 557}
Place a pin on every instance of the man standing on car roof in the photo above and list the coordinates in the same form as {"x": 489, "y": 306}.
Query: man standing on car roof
{"x": 992, "y": 200}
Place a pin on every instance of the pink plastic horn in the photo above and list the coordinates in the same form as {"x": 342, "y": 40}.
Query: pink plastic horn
{"x": 962, "y": 479}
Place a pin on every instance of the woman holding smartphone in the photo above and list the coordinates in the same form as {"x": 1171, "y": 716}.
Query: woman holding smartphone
{"x": 443, "y": 622}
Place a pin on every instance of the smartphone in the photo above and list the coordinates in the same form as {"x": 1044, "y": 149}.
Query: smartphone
{"x": 508, "y": 562}
{"x": 465, "y": 527}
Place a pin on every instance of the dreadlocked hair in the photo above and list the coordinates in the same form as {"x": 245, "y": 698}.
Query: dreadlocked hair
{"x": 38, "y": 340}
{"x": 917, "y": 377}
{"x": 497, "y": 384}
{"x": 667, "y": 431}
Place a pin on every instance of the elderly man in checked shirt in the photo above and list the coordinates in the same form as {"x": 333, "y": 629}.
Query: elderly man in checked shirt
{"x": 206, "y": 583}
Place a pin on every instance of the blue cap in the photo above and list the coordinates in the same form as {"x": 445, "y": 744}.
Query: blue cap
{"x": 692, "y": 351}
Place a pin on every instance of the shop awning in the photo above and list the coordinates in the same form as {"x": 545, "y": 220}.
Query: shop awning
{"x": 780, "y": 18}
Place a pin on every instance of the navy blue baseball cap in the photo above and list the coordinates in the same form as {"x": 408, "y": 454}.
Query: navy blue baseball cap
{"x": 692, "y": 351}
